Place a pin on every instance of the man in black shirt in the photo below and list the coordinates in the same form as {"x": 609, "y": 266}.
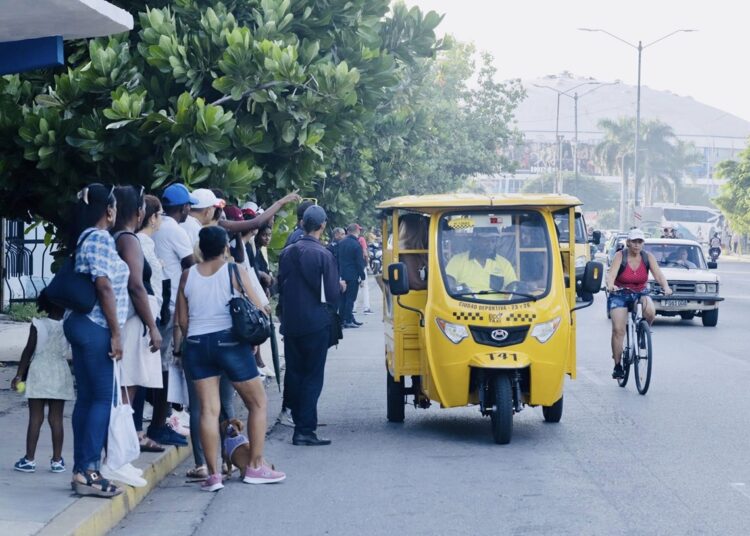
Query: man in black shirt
{"x": 308, "y": 284}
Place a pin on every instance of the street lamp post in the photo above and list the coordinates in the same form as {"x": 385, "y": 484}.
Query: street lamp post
{"x": 576, "y": 96}
{"x": 558, "y": 138}
{"x": 639, "y": 48}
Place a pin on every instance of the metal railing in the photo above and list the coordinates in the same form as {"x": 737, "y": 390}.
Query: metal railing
{"x": 26, "y": 262}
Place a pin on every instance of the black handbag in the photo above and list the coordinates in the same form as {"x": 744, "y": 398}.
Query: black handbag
{"x": 335, "y": 331}
{"x": 70, "y": 289}
{"x": 249, "y": 324}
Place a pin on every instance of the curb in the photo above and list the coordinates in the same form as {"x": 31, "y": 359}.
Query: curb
{"x": 92, "y": 516}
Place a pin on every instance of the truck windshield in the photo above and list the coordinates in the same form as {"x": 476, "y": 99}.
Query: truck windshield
{"x": 495, "y": 257}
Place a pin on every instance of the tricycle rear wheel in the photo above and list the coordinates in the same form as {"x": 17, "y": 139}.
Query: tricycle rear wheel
{"x": 396, "y": 399}
{"x": 502, "y": 412}
{"x": 554, "y": 412}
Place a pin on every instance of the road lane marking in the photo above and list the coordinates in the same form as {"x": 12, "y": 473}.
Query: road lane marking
{"x": 740, "y": 487}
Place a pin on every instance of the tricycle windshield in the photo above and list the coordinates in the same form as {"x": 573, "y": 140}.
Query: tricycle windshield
{"x": 496, "y": 257}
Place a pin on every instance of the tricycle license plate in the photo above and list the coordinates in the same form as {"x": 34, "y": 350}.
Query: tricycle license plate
{"x": 674, "y": 303}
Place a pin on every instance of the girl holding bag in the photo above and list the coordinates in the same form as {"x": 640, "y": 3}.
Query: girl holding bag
{"x": 95, "y": 338}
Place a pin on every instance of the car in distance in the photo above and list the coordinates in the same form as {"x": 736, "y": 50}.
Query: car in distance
{"x": 695, "y": 289}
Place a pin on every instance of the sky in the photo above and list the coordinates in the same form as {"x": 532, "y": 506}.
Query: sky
{"x": 533, "y": 38}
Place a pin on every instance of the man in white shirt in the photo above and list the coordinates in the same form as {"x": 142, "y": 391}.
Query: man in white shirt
{"x": 175, "y": 250}
{"x": 201, "y": 213}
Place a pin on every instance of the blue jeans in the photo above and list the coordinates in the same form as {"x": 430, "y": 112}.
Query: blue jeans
{"x": 226, "y": 393}
{"x": 93, "y": 369}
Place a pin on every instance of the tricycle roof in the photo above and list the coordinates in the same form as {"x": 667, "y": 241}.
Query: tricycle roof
{"x": 435, "y": 202}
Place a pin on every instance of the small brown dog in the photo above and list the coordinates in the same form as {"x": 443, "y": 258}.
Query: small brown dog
{"x": 236, "y": 447}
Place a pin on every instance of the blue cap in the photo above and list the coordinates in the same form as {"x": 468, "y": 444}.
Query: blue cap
{"x": 314, "y": 215}
{"x": 177, "y": 194}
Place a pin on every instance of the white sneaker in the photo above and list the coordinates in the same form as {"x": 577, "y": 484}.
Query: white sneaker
{"x": 124, "y": 475}
{"x": 285, "y": 418}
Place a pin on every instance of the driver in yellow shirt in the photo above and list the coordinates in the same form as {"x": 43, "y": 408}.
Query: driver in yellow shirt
{"x": 474, "y": 268}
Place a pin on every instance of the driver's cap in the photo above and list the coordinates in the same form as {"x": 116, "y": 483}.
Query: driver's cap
{"x": 636, "y": 234}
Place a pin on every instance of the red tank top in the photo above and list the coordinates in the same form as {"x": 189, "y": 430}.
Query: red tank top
{"x": 630, "y": 279}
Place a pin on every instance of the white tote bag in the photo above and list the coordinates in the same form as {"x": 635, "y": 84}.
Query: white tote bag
{"x": 177, "y": 389}
{"x": 122, "y": 441}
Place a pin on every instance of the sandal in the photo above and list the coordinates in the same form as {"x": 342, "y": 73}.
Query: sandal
{"x": 199, "y": 472}
{"x": 95, "y": 486}
{"x": 149, "y": 445}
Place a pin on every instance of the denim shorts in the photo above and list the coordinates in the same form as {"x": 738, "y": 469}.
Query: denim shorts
{"x": 624, "y": 300}
{"x": 207, "y": 356}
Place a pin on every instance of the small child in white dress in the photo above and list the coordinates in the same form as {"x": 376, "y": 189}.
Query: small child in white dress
{"x": 44, "y": 368}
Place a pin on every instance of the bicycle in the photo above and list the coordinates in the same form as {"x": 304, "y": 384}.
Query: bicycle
{"x": 637, "y": 349}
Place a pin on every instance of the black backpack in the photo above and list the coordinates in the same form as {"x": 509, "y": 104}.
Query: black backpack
{"x": 624, "y": 261}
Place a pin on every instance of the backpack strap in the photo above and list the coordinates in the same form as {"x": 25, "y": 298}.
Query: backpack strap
{"x": 644, "y": 258}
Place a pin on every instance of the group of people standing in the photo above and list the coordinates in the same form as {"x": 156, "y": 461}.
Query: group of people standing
{"x": 160, "y": 268}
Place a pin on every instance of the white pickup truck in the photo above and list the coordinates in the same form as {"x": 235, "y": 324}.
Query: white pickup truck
{"x": 695, "y": 288}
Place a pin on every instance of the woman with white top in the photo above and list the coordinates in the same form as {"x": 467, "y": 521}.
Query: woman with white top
{"x": 211, "y": 348}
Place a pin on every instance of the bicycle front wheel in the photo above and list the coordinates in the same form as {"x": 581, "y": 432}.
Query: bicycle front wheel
{"x": 643, "y": 359}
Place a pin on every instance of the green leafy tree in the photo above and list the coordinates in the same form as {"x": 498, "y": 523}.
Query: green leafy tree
{"x": 595, "y": 195}
{"x": 251, "y": 96}
{"x": 734, "y": 199}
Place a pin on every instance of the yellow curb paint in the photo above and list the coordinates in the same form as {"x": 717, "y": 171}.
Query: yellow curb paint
{"x": 94, "y": 516}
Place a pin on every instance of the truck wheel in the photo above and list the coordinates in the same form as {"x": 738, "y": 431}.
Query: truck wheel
{"x": 502, "y": 414}
{"x": 554, "y": 412}
{"x": 710, "y": 318}
{"x": 688, "y": 315}
{"x": 396, "y": 399}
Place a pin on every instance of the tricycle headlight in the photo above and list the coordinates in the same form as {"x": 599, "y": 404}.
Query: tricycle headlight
{"x": 455, "y": 332}
{"x": 580, "y": 262}
{"x": 700, "y": 288}
{"x": 542, "y": 332}
{"x": 712, "y": 288}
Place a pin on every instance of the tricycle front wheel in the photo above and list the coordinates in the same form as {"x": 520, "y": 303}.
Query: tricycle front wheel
{"x": 502, "y": 411}
{"x": 554, "y": 412}
{"x": 396, "y": 399}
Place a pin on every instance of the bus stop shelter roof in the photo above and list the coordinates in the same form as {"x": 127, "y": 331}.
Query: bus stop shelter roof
{"x": 72, "y": 19}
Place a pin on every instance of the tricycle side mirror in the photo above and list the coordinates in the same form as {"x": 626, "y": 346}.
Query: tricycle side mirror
{"x": 713, "y": 265}
{"x": 398, "y": 279}
{"x": 593, "y": 274}
{"x": 596, "y": 237}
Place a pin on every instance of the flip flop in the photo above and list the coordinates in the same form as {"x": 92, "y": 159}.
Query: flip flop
{"x": 149, "y": 445}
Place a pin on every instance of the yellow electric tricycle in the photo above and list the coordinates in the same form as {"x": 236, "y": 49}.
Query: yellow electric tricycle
{"x": 478, "y": 305}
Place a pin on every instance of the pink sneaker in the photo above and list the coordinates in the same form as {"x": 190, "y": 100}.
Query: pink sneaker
{"x": 212, "y": 483}
{"x": 262, "y": 475}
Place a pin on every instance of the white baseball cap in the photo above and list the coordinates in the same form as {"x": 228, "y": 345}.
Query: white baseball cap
{"x": 636, "y": 234}
{"x": 206, "y": 198}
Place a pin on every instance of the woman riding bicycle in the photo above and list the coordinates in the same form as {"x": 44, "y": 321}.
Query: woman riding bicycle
{"x": 632, "y": 277}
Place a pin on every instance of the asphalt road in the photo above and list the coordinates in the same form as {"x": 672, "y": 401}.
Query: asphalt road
{"x": 675, "y": 461}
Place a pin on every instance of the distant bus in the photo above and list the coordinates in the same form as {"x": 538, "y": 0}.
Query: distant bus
{"x": 692, "y": 222}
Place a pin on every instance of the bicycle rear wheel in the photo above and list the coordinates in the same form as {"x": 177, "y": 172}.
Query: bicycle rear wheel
{"x": 643, "y": 359}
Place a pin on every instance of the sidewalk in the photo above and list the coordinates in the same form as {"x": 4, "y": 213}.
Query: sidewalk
{"x": 42, "y": 503}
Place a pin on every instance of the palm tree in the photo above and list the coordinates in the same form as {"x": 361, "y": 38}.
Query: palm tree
{"x": 662, "y": 157}
{"x": 615, "y": 152}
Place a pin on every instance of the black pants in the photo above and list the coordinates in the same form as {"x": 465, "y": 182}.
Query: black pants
{"x": 346, "y": 311}
{"x": 305, "y": 364}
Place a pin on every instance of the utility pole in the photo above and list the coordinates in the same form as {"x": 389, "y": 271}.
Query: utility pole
{"x": 636, "y": 156}
{"x": 636, "y": 200}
